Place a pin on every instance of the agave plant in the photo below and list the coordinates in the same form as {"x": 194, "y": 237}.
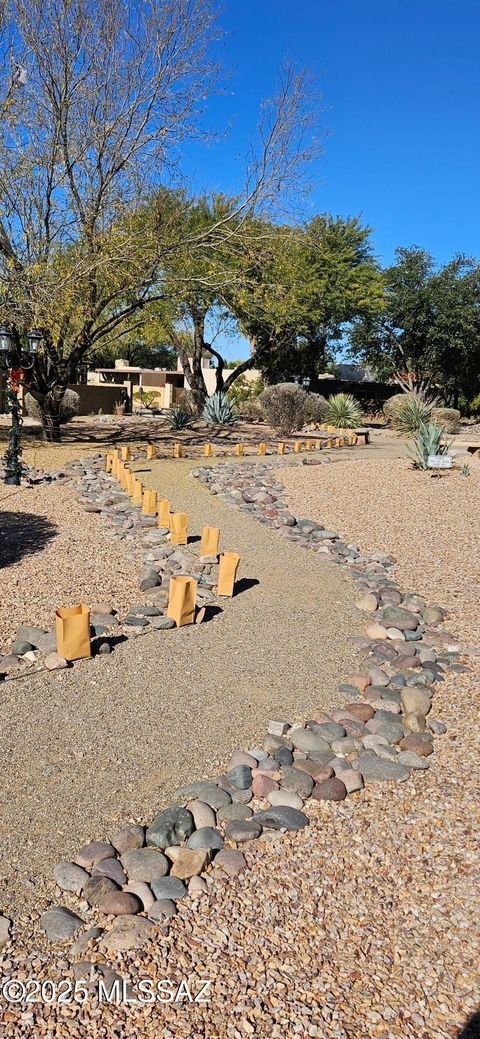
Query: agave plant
{"x": 412, "y": 412}
{"x": 219, "y": 410}
{"x": 427, "y": 442}
{"x": 343, "y": 411}
{"x": 178, "y": 417}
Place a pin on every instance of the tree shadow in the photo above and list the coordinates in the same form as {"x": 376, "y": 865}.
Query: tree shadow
{"x": 471, "y": 1030}
{"x": 23, "y": 534}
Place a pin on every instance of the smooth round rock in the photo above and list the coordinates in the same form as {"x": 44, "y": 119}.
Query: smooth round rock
{"x": 230, "y": 861}
{"x": 398, "y": 617}
{"x": 190, "y": 862}
{"x": 95, "y": 889}
{"x": 346, "y": 745}
{"x": 90, "y": 854}
{"x": 241, "y": 776}
{"x": 128, "y": 838}
{"x": 169, "y": 887}
{"x": 284, "y": 756}
{"x": 420, "y": 742}
{"x": 362, "y": 711}
{"x": 120, "y": 903}
{"x": 241, "y": 830}
{"x": 285, "y": 797}
{"x": 391, "y": 732}
{"x": 414, "y": 722}
{"x": 329, "y": 730}
{"x": 330, "y": 790}
{"x": 171, "y": 826}
{"x": 70, "y": 877}
{"x": 368, "y": 603}
{"x": 233, "y": 812}
{"x": 437, "y": 727}
{"x": 144, "y": 864}
{"x": 306, "y": 740}
{"x": 296, "y": 781}
{"x": 415, "y": 700}
{"x": 60, "y": 923}
{"x": 203, "y": 815}
{"x": 163, "y": 909}
{"x": 143, "y": 892}
{"x": 353, "y": 780}
{"x": 412, "y": 760}
{"x": 241, "y": 757}
{"x": 111, "y": 868}
{"x": 206, "y": 837}
{"x": 281, "y": 818}
{"x": 378, "y": 770}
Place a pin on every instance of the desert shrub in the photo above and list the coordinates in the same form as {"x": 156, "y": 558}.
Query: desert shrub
{"x": 251, "y": 411}
{"x": 178, "y": 417}
{"x": 343, "y": 411}
{"x": 315, "y": 407}
{"x": 244, "y": 389}
{"x": 449, "y": 418}
{"x": 407, "y": 412}
{"x": 427, "y": 441}
{"x": 284, "y": 406}
{"x": 219, "y": 410}
{"x": 149, "y": 399}
{"x": 69, "y": 406}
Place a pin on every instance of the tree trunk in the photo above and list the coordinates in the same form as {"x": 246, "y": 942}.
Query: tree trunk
{"x": 50, "y": 412}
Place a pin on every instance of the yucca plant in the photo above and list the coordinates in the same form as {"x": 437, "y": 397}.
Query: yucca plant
{"x": 178, "y": 417}
{"x": 412, "y": 412}
{"x": 343, "y": 411}
{"x": 219, "y": 410}
{"x": 427, "y": 442}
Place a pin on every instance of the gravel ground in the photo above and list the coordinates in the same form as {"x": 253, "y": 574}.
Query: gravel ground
{"x": 365, "y": 924}
{"x": 165, "y": 708}
{"x": 52, "y": 555}
{"x": 431, "y": 524}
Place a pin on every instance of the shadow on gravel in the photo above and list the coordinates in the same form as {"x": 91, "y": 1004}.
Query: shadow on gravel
{"x": 211, "y": 612}
{"x": 472, "y": 1028}
{"x": 23, "y": 534}
{"x": 244, "y": 585}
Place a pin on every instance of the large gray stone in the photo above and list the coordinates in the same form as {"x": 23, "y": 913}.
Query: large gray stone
{"x": 296, "y": 781}
{"x": 206, "y": 837}
{"x": 204, "y": 790}
{"x": 144, "y": 864}
{"x": 60, "y": 923}
{"x": 169, "y": 887}
{"x": 308, "y": 741}
{"x": 70, "y": 877}
{"x": 415, "y": 700}
{"x": 379, "y": 770}
{"x": 240, "y": 776}
{"x": 398, "y": 617}
{"x": 281, "y": 818}
{"x": 171, "y": 826}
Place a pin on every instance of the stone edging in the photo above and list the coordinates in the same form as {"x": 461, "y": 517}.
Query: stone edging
{"x": 383, "y": 734}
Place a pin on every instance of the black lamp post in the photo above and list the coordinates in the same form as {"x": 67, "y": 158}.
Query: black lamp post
{"x": 8, "y": 358}
{"x": 305, "y": 381}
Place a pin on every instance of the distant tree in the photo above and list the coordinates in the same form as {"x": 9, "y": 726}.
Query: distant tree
{"x": 428, "y": 333}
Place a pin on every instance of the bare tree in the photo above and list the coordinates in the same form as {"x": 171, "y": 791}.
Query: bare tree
{"x": 97, "y": 98}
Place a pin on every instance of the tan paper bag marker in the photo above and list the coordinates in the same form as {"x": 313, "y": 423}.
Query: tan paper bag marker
{"x": 281, "y": 448}
{"x": 262, "y": 449}
{"x": 227, "y": 572}
{"x": 177, "y": 451}
{"x": 178, "y": 528}
{"x": 72, "y": 625}
{"x": 126, "y": 454}
{"x": 297, "y": 447}
{"x": 239, "y": 450}
{"x": 182, "y": 594}
{"x": 209, "y": 541}
{"x": 163, "y": 506}
{"x": 151, "y": 451}
{"x": 149, "y": 504}
{"x": 208, "y": 450}
{"x": 137, "y": 497}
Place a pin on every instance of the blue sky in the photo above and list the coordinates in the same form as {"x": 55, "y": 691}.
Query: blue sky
{"x": 400, "y": 81}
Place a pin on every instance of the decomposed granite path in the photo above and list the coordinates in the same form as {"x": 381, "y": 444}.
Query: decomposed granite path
{"x": 109, "y": 739}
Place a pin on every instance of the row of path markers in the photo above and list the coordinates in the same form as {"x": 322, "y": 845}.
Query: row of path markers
{"x": 182, "y": 591}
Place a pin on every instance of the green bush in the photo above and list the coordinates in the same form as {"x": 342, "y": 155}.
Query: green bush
{"x": 316, "y": 408}
{"x": 449, "y": 418}
{"x": 244, "y": 389}
{"x": 69, "y": 406}
{"x": 284, "y": 406}
{"x": 475, "y": 405}
{"x": 343, "y": 411}
{"x": 149, "y": 399}
{"x": 251, "y": 411}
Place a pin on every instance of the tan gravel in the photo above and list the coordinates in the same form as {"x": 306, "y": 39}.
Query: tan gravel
{"x": 53, "y": 554}
{"x": 431, "y": 524}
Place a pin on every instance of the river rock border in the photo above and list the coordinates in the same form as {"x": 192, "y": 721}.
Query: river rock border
{"x": 122, "y": 889}
{"x": 34, "y": 649}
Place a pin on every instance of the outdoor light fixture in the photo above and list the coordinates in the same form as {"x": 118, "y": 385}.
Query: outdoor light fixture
{"x": 306, "y": 382}
{"x": 11, "y": 360}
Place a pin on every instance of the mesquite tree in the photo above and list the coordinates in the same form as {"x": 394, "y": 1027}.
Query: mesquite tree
{"x": 97, "y": 98}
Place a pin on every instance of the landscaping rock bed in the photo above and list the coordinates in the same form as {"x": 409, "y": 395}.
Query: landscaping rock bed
{"x": 383, "y": 734}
